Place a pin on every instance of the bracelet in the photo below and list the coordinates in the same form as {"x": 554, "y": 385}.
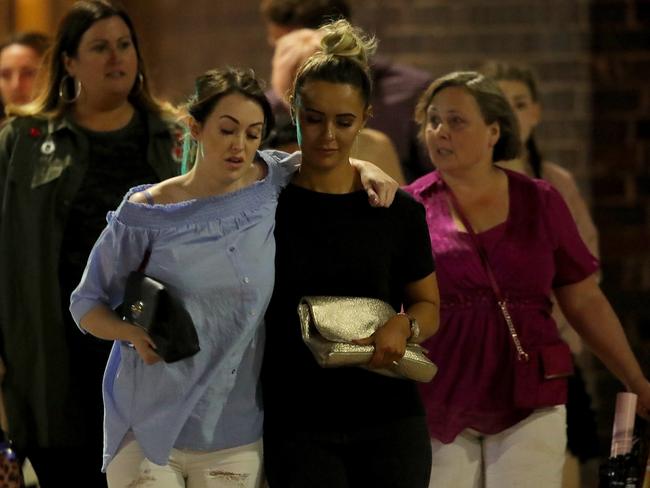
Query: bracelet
{"x": 414, "y": 327}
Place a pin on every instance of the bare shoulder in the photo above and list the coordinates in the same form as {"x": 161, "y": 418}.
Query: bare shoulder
{"x": 560, "y": 178}
{"x": 557, "y": 172}
{"x": 377, "y": 147}
{"x": 375, "y": 144}
{"x": 168, "y": 191}
{"x": 374, "y": 136}
{"x": 139, "y": 197}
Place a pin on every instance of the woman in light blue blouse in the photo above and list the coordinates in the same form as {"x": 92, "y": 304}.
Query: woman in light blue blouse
{"x": 195, "y": 422}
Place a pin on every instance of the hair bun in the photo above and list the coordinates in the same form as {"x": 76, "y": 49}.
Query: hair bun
{"x": 344, "y": 40}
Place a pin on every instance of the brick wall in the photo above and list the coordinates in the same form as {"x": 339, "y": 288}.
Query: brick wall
{"x": 182, "y": 39}
{"x": 620, "y": 167}
{"x": 552, "y": 36}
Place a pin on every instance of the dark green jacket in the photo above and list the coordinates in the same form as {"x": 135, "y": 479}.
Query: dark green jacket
{"x": 36, "y": 190}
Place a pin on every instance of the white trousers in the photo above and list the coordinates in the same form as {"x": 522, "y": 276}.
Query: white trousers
{"x": 239, "y": 467}
{"x": 529, "y": 454}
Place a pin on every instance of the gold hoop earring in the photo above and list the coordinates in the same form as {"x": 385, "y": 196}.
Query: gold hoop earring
{"x": 62, "y": 89}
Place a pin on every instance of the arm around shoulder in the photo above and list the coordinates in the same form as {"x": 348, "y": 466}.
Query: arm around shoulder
{"x": 381, "y": 188}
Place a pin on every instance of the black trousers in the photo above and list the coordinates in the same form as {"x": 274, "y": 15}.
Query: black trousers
{"x": 393, "y": 456}
{"x": 78, "y": 465}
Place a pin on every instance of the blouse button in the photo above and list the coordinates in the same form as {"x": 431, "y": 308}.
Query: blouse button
{"x": 231, "y": 248}
{"x": 246, "y": 280}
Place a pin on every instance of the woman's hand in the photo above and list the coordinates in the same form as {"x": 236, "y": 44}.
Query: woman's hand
{"x": 143, "y": 344}
{"x": 380, "y": 187}
{"x": 103, "y": 322}
{"x": 389, "y": 341}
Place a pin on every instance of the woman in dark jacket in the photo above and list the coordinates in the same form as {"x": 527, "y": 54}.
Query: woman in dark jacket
{"x": 65, "y": 160}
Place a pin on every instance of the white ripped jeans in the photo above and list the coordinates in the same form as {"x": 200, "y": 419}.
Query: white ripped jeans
{"x": 529, "y": 454}
{"x": 238, "y": 467}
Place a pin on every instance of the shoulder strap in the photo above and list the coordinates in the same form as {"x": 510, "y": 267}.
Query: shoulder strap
{"x": 147, "y": 253}
{"x": 145, "y": 260}
{"x": 148, "y": 196}
{"x": 501, "y": 300}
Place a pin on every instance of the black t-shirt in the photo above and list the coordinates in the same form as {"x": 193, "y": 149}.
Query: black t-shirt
{"x": 338, "y": 245}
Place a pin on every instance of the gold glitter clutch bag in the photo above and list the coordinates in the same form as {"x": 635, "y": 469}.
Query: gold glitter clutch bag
{"x": 330, "y": 324}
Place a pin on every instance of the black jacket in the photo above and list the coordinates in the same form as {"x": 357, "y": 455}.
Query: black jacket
{"x": 44, "y": 401}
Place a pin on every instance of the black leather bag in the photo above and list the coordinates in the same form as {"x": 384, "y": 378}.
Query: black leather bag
{"x": 148, "y": 304}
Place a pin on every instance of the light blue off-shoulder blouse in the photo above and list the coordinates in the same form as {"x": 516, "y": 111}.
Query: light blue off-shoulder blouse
{"x": 217, "y": 255}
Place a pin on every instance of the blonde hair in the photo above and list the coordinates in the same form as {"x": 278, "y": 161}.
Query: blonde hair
{"x": 343, "y": 58}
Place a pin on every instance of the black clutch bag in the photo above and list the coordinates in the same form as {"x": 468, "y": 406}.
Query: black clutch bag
{"x": 148, "y": 304}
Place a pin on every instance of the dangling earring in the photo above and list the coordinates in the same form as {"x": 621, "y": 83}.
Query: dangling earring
{"x": 62, "y": 90}
{"x": 139, "y": 84}
{"x": 201, "y": 152}
{"x": 355, "y": 145}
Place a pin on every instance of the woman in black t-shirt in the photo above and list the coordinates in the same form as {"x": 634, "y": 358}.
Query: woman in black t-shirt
{"x": 344, "y": 427}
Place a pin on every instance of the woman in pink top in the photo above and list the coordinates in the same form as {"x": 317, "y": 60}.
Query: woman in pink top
{"x": 481, "y": 436}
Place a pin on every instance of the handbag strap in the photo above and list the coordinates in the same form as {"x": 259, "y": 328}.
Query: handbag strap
{"x": 501, "y": 300}
{"x": 145, "y": 260}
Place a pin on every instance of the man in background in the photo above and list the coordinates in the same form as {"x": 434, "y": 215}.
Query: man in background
{"x": 291, "y": 29}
